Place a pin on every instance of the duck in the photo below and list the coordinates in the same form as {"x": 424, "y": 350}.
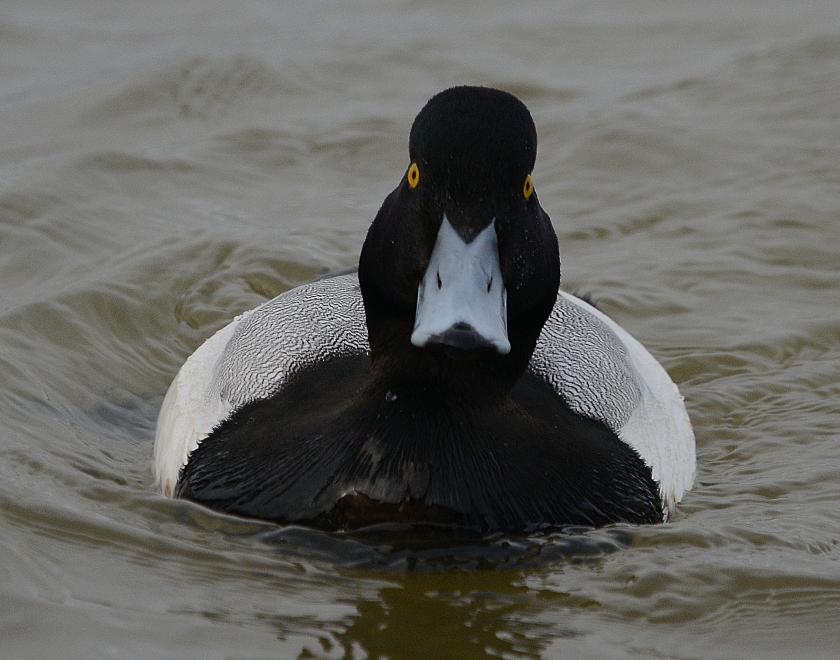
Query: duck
{"x": 448, "y": 380}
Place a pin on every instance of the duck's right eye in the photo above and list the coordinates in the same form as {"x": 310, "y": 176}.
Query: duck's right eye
{"x": 528, "y": 187}
{"x": 413, "y": 176}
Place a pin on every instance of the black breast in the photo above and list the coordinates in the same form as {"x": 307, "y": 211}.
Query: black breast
{"x": 332, "y": 451}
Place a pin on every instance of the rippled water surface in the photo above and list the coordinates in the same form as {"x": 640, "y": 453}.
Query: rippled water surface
{"x": 165, "y": 166}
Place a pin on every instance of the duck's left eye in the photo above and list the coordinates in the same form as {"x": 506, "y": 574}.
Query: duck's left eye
{"x": 528, "y": 187}
{"x": 413, "y": 176}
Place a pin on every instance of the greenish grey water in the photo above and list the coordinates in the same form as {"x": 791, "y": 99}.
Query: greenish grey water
{"x": 166, "y": 166}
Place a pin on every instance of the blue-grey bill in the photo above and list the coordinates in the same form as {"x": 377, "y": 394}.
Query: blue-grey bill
{"x": 462, "y": 293}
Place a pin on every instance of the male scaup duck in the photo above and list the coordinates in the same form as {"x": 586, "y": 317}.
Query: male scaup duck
{"x": 448, "y": 382}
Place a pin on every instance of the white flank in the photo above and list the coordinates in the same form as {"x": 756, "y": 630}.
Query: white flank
{"x": 659, "y": 428}
{"x": 190, "y": 410}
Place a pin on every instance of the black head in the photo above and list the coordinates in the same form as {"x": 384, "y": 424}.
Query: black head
{"x": 472, "y": 145}
{"x": 460, "y": 268}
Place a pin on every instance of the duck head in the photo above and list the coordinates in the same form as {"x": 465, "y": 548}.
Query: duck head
{"x": 460, "y": 268}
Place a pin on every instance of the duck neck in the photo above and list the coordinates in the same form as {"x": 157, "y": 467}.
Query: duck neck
{"x": 458, "y": 377}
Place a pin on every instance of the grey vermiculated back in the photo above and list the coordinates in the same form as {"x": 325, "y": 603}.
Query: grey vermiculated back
{"x": 586, "y": 364}
{"x": 311, "y": 323}
{"x": 576, "y": 354}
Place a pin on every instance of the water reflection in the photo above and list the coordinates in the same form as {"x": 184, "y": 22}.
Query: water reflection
{"x": 448, "y": 614}
{"x": 445, "y": 593}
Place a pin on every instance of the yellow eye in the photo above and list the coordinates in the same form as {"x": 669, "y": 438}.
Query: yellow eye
{"x": 413, "y": 176}
{"x": 528, "y": 187}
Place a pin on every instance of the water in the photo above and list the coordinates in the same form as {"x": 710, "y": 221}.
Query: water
{"x": 165, "y": 166}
